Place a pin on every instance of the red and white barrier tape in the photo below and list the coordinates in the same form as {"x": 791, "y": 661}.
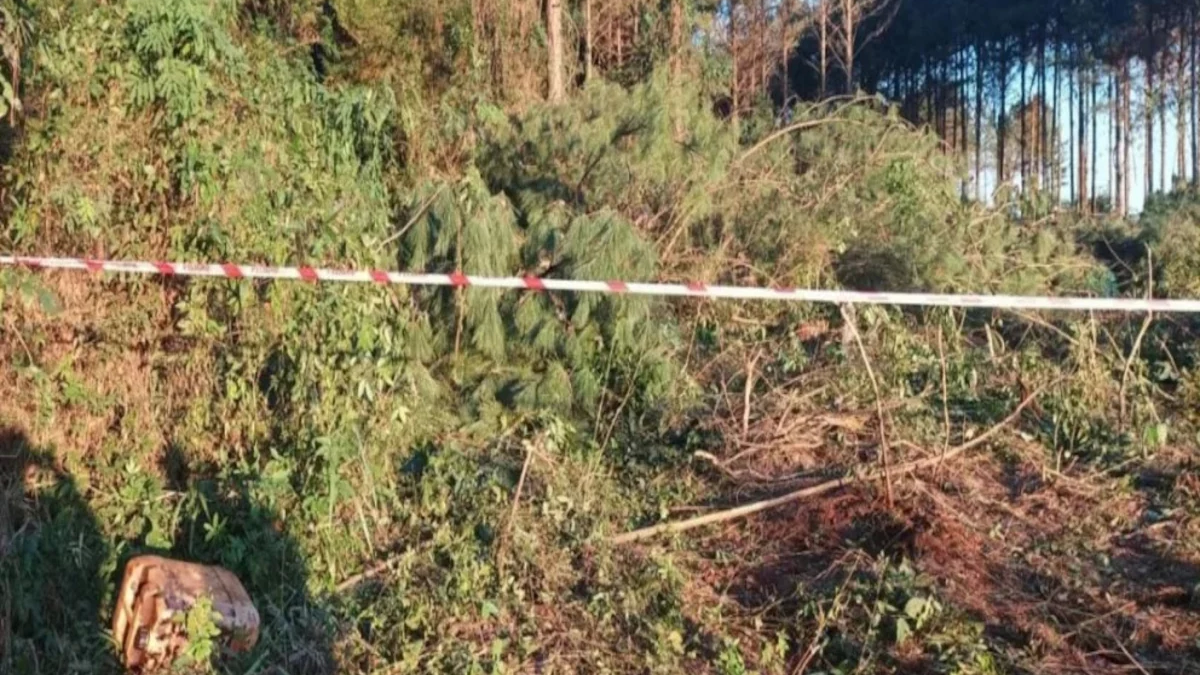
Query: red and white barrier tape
{"x": 693, "y": 290}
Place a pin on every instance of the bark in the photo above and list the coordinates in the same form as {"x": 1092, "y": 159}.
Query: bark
{"x": 1195, "y": 96}
{"x": 1164, "y": 178}
{"x": 1149, "y": 125}
{"x": 1082, "y": 147}
{"x": 1041, "y": 155}
{"x": 1072, "y": 76}
{"x": 933, "y": 103}
{"x": 784, "y": 48}
{"x": 1127, "y": 133}
{"x": 963, "y": 104}
{"x": 761, "y": 21}
{"x": 554, "y": 44}
{"x": 849, "y": 28}
{"x": 587, "y": 41}
{"x": 1181, "y": 106}
{"x": 980, "y": 65}
{"x": 1111, "y": 139}
{"x": 733, "y": 54}
{"x": 823, "y": 37}
{"x": 1055, "y": 152}
{"x": 1095, "y": 163}
{"x": 1118, "y": 138}
{"x": 1002, "y": 126}
{"x": 1022, "y": 109}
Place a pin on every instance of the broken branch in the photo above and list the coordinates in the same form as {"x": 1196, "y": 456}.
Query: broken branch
{"x": 822, "y": 488}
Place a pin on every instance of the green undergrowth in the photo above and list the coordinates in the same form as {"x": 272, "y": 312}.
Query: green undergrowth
{"x": 427, "y": 480}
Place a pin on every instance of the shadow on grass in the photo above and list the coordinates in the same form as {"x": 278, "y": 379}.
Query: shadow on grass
{"x": 222, "y": 523}
{"x": 54, "y": 568}
{"x": 59, "y": 571}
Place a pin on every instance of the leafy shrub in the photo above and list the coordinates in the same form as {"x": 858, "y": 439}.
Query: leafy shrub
{"x": 1171, "y": 228}
{"x": 176, "y": 47}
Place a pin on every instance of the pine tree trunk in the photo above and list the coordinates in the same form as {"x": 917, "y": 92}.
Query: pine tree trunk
{"x": 1056, "y": 149}
{"x": 1094, "y": 160}
{"x": 1043, "y": 128}
{"x": 1083, "y": 154}
{"x": 1118, "y": 186}
{"x": 554, "y": 44}
{"x": 1127, "y": 133}
{"x": 1162, "y": 124}
{"x": 1195, "y": 96}
{"x": 1024, "y": 112}
{"x": 761, "y": 21}
{"x": 733, "y": 54}
{"x": 1072, "y": 76}
{"x": 1150, "y": 125}
{"x": 676, "y": 39}
{"x": 1111, "y": 139}
{"x": 1181, "y": 106}
{"x": 497, "y": 27}
{"x": 676, "y": 63}
{"x": 933, "y": 103}
{"x": 963, "y": 105}
{"x": 823, "y": 26}
{"x": 784, "y": 48}
{"x": 587, "y": 41}
{"x": 1002, "y": 125}
{"x": 849, "y": 19}
{"x": 980, "y": 65}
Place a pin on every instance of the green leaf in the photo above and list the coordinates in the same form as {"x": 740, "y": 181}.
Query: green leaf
{"x": 903, "y": 631}
{"x": 1156, "y": 435}
{"x": 158, "y": 538}
{"x": 48, "y": 301}
{"x": 914, "y": 608}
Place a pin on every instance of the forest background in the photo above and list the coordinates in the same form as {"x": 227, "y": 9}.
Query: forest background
{"x": 414, "y": 480}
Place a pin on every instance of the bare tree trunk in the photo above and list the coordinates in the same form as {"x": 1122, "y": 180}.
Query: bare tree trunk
{"x": 1162, "y": 122}
{"x": 933, "y": 103}
{"x": 1022, "y": 109}
{"x": 676, "y": 39}
{"x": 733, "y": 54}
{"x": 823, "y": 26}
{"x": 1002, "y": 130}
{"x": 1093, "y": 113}
{"x": 1043, "y": 172}
{"x": 554, "y": 43}
{"x": 1119, "y": 204}
{"x": 1195, "y": 96}
{"x": 587, "y": 40}
{"x": 849, "y": 27}
{"x": 1083, "y": 153}
{"x": 784, "y": 48}
{"x": 1055, "y": 150}
{"x": 1111, "y": 139}
{"x": 761, "y": 26}
{"x": 980, "y": 64}
{"x": 963, "y": 105}
{"x": 1181, "y": 109}
{"x": 1127, "y": 133}
{"x": 1150, "y": 100}
{"x": 1072, "y": 78}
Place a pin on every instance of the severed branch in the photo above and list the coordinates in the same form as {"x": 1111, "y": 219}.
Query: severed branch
{"x": 1137, "y": 343}
{"x": 822, "y": 488}
{"x": 851, "y": 322}
{"x": 832, "y": 118}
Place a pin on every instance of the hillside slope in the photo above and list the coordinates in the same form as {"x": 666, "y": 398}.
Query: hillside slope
{"x": 414, "y": 480}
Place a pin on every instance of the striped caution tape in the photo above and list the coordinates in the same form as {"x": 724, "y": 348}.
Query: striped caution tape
{"x": 691, "y": 290}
